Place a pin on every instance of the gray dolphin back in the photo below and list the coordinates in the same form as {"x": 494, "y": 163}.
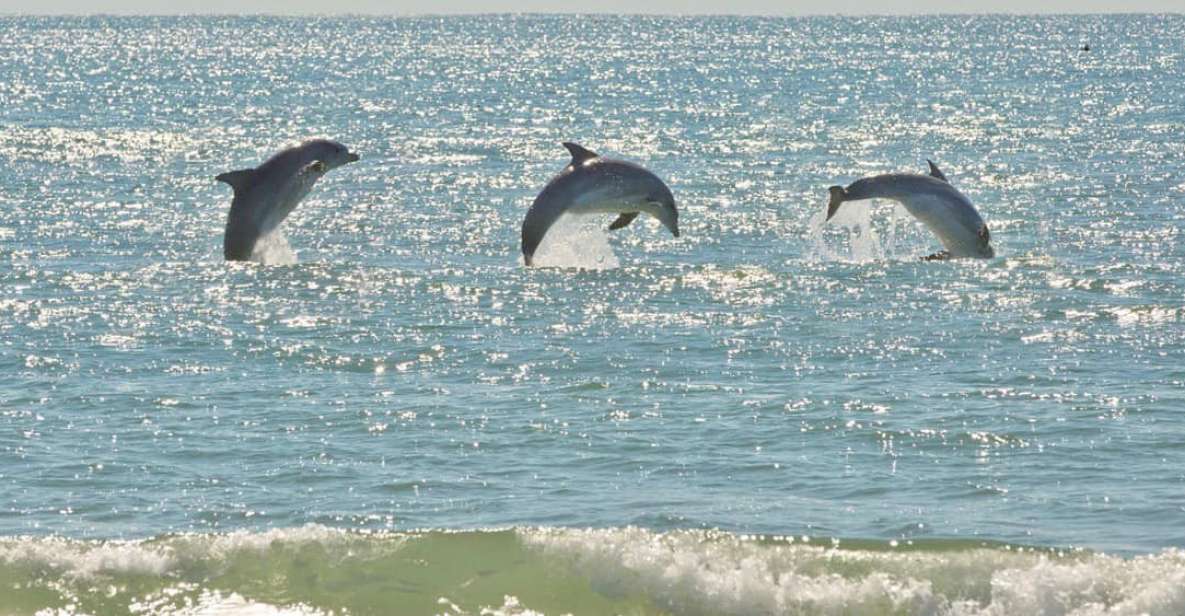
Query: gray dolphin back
{"x": 895, "y": 186}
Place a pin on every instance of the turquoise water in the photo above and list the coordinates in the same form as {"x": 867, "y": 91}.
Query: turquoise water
{"x": 764, "y": 415}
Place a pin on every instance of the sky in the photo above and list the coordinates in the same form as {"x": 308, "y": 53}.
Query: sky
{"x": 682, "y": 7}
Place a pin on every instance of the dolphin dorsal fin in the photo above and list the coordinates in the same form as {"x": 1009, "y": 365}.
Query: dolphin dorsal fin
{"x": 580, "y": 155}
{"x": 935, "y": 172}
{"x": 239, "y": 179}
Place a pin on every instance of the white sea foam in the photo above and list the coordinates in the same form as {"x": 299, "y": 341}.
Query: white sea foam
{"x": 511, "y": 606}
{"x": 576, "y": 241}
{"x": 222, "y": 547}
{"x": 86, "y": 560}
{"x": 717, "y": 573}
{"x": 213, "y": 603}
{"x": 77, "y": 559}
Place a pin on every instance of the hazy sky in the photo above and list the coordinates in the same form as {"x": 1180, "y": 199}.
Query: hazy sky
{"x": 764, "y": 7}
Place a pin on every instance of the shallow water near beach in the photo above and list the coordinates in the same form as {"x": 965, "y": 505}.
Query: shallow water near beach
{"x": 767, "y": 415}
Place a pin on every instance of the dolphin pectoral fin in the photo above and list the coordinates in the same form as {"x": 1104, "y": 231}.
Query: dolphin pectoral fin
{"x": 623, "y": 221}
{"x": 580, "y": 154}
{"x": 942, "y": 255}
{"x": 985, "y": 242}
{"x": 936, "y": 173}
{"x": 239, "y": 179}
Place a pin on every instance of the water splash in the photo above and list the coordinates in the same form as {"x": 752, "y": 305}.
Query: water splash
{"x": 577, "y": 241}
{"x": 853, "y": 236}
{"x": 273, "y": 249}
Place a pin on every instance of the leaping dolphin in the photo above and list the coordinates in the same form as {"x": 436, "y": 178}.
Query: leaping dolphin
{"x": 592, "y": 184}
{"x": 932, "y": 200}
{"x": 265, "y": 195}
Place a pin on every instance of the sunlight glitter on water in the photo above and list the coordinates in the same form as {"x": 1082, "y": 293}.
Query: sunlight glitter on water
{"x": 764, "y": 361}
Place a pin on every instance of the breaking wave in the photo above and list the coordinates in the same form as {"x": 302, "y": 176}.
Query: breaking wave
{"x": 321, "y": 570}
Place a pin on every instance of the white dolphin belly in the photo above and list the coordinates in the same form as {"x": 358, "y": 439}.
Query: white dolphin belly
{"x": 955, "y": 224}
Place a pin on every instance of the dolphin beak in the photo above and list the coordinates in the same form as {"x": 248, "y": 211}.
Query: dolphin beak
{"x": 352, "y": 158}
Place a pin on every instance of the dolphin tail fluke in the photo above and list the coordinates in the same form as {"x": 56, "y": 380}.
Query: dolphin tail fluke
{"x": 838, "y": 196}
{"x": 238, "y": 180}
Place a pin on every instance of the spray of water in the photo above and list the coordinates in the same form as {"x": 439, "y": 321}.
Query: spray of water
{"x": 853, "y": 236}
{"x": 576, "y": 241}
{"x": 273, "y": 249}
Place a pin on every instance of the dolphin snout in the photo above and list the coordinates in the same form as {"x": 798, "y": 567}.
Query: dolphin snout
{"x": 352, "y": 157}
{"x": 672, "y": 225}
{"x": 671, "y": 220}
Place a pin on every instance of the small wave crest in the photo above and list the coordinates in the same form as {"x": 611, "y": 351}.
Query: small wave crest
{"x": 577, "y": 241}
{"x": 720, "y": 573}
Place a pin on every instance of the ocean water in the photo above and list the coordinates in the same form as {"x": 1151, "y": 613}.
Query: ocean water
{"x": 767, "y": 415}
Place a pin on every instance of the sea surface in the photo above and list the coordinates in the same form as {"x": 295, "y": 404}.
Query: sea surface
{"x": 390, "y": 414}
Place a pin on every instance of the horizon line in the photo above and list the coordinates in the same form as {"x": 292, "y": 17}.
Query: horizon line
{"x": 596, "y": 14}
